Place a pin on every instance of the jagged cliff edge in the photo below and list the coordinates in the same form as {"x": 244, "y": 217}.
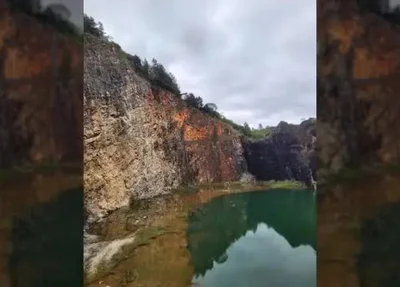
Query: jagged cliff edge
{"x": 142, "y": 141}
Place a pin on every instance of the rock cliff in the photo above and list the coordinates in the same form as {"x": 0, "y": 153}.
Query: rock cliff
{"x": 141, "y": 141}
{"x": 288, "y": 153}
{"x": 358, "y": 86}
{"x": 40, "y": 97}
{"x": 41, "y": 108}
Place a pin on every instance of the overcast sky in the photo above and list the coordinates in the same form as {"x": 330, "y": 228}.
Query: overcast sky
{"x": 255, "y": 59}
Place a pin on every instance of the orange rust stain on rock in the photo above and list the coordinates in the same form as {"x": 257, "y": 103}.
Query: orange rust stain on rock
{"x": 192, "y": 133}
{"x": 180, "y": 117}
{"x": 369, "y": 65}
{"x": 220, "y": 129}
{"x": 345, "y": 31}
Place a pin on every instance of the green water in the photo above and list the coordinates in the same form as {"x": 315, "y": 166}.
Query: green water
{"x": 263, "y": 238}
{"x": 41, "y": 219}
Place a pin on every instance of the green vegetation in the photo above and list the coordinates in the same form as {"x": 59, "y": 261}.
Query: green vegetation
{"x": 260, "y": 133}
{"x": 157, "y": 74}
{"x": 285, "y": 184}
{"x": 154, "y": 72}
{"x": 46, "y": 16}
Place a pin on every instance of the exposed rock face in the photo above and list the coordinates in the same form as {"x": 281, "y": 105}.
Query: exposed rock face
{"x": 40, "y": 122}
{"x": 141, "y": 141}
{"x": 288, "y": 153}
{"x": 358, "y": 87}
{"x": 41, "y": 96}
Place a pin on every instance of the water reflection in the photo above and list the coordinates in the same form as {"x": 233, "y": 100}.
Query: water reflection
{"x": 41, "y": 240}
{"x": 363, "y": 216}
{"x": 378, "y": 261}
{"x": 47, "y": 243}
{"x": 254, "y": 239}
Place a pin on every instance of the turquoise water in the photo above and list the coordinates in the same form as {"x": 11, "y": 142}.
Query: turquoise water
{"x": 263, "y": 238}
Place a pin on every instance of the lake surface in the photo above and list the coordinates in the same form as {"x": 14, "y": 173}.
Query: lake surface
{"x": 263, "y": 238}
{"x": 214, "y": 238}
{"x": 41, "y": 219}
{"x": 362, "y": 216}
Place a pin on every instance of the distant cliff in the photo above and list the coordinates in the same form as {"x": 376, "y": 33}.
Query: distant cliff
{"x": 142, "y": 141}
{"x": 358, "y": 86}
{"x": 287, "y": 153}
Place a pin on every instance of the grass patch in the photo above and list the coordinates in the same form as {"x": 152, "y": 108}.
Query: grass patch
{"x": 284, "y": 184}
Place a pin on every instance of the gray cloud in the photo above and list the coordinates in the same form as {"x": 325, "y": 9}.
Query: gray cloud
{"x": 255, "y": 59}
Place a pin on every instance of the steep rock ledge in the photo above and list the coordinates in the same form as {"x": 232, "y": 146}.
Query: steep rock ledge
{"x": 141, "y": 141}
{"x": 40, "y": 97}
{"x": 358, "y": 87}
{"x": 288, "y": 153}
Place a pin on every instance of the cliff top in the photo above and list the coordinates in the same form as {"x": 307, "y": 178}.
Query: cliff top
{"x": 154, "y": 75}
{"x": 158, "y": 77}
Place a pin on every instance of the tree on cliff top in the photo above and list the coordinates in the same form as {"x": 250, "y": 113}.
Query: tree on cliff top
{"x": 211, "y": 107}
{"x": 141, "y": 67}
{"x": 160, "y": 76}
{"x": 156, "y": 72}
{"x": 193, "y": 101}
{"x": 146, "y": 67}
{"x": 92, "y": 27}
{"x": 247, "y": 129}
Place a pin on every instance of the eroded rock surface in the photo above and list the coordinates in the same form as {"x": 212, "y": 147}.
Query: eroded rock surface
{"x": 141, "y": 141}
{"x": 358, "y": 87}
{"x": 40, "y": 96}
{"x": 288, "y": 153}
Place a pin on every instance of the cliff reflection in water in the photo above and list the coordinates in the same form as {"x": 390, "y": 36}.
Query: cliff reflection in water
{"x": 378, "y": 261}
{"x": 47, "y": 244}
{"x": 251, "y": 223}
{"x": 42, "y": 216}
